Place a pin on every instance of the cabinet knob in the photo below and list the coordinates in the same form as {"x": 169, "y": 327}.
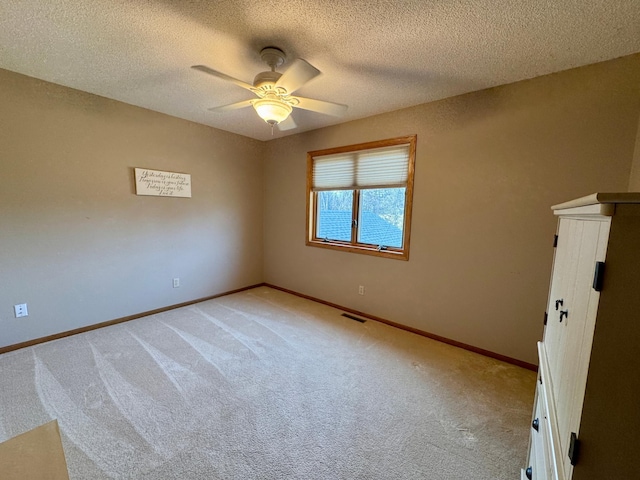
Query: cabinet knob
{"x": 536, "y": 424}
{"x": 559, "y": 303}
{"x": 529, "y": 473}
{"x": 564, "y": 314}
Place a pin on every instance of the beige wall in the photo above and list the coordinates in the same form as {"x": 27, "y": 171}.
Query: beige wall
{"x": 79, "y": 246}
{"x": 489, "y": 165}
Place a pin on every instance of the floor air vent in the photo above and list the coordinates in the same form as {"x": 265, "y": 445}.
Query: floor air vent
{"x": 361, "y": 320}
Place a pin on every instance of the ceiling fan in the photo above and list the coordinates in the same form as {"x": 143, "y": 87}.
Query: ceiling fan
{"x": 273, "y": 89}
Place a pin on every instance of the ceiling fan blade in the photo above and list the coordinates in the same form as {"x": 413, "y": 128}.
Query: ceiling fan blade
{"x": 287, "y": 124}
{"x": 329, "y": 108}
{"x": 232, "y": 106}
{"x": 299, "y": 73}
{"x": 223, "y": 76}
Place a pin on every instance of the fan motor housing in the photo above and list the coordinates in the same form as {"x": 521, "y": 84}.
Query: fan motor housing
{"x": 266, "y": 78}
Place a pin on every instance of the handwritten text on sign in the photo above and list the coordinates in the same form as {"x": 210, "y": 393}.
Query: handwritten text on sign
{"x": 162, "y": 184}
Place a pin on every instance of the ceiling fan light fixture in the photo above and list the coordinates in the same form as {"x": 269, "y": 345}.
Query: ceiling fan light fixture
{"x": 271, "y": 110}
{"x": 274, "y": 91}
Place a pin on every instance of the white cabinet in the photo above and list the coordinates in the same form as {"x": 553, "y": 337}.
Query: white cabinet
{"x": 586, "y": 419}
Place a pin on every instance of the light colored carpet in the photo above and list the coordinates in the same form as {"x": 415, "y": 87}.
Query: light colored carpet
{"x": 266, "y": 385}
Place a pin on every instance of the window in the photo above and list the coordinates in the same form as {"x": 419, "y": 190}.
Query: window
{"x": 359, "y": 197}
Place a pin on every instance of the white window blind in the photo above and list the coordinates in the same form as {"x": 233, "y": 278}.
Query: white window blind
{"x": 376, "y": 168}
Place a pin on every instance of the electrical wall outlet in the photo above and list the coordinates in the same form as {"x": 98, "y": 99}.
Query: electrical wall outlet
{"x": 361, "y": 290}
{"x": 176, "y": 282}
{"x": 21, "y": 310}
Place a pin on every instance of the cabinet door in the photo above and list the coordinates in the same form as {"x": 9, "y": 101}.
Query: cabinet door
{"x": 575, "y": 258}
{"x": 568, "y": 335}
{"x": 584, "y": 310}
{"x": 565, "y": 271}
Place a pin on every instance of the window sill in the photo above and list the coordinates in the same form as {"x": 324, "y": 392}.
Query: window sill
{"x": 362, "y": 249}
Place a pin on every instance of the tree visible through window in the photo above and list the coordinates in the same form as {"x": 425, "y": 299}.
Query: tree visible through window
{"x": 359, "y": 197}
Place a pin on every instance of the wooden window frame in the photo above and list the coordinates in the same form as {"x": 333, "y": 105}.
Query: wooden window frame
{"x": 353, "y": 246}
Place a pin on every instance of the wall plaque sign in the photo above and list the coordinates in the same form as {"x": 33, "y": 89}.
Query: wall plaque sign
{"x": 162, "y": 184}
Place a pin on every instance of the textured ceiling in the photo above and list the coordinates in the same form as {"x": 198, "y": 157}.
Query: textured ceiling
{"x": 375, "y": 56}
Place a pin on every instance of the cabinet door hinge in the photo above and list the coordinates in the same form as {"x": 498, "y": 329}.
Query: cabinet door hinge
{"x": 598, "y": 277}
{"x": 555, "y": 241}
{"x": 574, "y": 449}
{"x": 546, "y": 315}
